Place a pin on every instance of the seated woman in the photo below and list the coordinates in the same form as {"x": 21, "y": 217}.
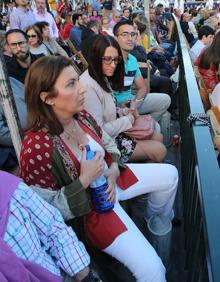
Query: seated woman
{"x": 52, "y": 46}
{"x": 106, "y": 70}
{"x": 35, "y": 41}
{"x": 208, "y": 62}
{"x": 51, "y": 156}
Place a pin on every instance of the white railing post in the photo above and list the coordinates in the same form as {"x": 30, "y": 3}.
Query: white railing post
{"x": 9, "y": 107}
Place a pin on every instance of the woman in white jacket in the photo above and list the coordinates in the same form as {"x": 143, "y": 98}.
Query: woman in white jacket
{"x": 106, "y": 70}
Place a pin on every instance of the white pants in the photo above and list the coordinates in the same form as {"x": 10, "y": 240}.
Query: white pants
{"x": 155, "y": 104}
{"x": 131, "y": 247}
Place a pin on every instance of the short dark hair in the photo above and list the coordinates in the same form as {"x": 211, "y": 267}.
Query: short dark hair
{"x": 119, "y": 24}
{"x": 205, "y": 30}
{"x": 100, "y": 44}
{"x": 93, "y": 23}
{"x": 41, "y": 25}
{"x": 75, "y": 17}
{"x": 125, "y": 9}
{"x": 16, "y": 30}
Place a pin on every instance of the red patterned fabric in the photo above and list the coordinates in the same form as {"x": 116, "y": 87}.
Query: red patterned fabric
{"x": 36, "y": 169}
{"x": 35, "y": 160}
{"x": 209, "y": 75}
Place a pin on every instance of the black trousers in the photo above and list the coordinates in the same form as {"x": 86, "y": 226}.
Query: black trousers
{"x": 163, "y": 84}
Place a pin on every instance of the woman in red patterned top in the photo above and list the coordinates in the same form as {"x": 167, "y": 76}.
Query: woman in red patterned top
{"x": 51, "y": 157}
{"x": 208, "y": 62}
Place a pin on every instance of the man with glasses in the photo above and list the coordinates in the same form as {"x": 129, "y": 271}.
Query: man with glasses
{"x": 154, "y": 104}
{"x": 21, "y": 59}
{"x": 17, "y": 67}
{"x": 22, "y": 16}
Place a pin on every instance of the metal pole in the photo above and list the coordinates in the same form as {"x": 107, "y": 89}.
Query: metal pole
{"x": 135, "y": 4}
{"x": 146, "y": 8}
{"x": 147, "y": 15}
{"x": 9, "y": 107}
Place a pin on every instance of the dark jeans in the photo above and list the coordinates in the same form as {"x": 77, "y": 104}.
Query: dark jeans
{"x": 8, "y": 158}
{"x": 162, "y": 84}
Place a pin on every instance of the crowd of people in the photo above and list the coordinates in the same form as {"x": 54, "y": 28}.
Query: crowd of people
{"x": 201, "y": 29}
{"x": 61, "y": 110}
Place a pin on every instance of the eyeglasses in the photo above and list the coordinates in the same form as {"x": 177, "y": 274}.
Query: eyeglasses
{"x": 31, "y": 35}
{"x": 127, "y": 34}
{"x": 108, "y": 60}
{"x": 21, "y": 44}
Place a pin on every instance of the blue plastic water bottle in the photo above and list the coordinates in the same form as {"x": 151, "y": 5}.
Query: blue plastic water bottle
{"x": 98, "y": 188}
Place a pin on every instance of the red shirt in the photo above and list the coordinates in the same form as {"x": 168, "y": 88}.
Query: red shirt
{"x": 65, "y": 31}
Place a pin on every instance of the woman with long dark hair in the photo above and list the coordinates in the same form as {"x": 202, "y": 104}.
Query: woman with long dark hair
{"x": 106, "y": 71}
{"x": 53, "y": 155}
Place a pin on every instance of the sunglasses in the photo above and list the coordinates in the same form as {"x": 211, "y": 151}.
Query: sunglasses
{"x": 32, "y": 36}
{"x": 108, "y": 60}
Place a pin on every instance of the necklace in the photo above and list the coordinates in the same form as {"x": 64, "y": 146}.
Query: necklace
{"x": 73, "y": 133}
{"x": 70, "y": 132}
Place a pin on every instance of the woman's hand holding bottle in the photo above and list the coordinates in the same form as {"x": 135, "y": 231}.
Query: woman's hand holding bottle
{"x": 90, "y": 169}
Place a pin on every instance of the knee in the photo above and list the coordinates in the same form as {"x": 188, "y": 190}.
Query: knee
{"x": 173, "y": 176}
{"x": 159, "y": 152}
{"x": 157, "y": 136}
{"x": 166, "y": 101}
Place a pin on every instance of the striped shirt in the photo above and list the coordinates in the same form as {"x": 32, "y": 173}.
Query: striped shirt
{"x": 21, "y": 19}
{"x": 132, "y": 71}
{"x": 36, "y": 232}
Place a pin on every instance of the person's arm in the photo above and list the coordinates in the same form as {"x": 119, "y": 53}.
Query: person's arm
{"x": 55, "y": 198}
{"x": 110, "y": 146}
{"x": 54, "y": 28}
{"x": 142, "y": 91}
{"x": 5, "y": 136}
{"x": 59, "y": 240}
{"x": 60, "y": 50}
{"x": 94, "y": 104}
{"x": 46, "y": 169}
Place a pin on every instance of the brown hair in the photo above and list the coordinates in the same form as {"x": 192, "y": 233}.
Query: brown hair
{"x": 38, "y": 32}
{"x": 211, "y": 56}
{"x": 41, "y": 77}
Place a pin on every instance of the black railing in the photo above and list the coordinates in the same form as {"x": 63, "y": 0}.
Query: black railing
{"x": 200, "y": 179}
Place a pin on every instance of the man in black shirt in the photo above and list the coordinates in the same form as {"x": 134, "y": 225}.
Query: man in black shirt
{"x": 88, "y": 36}
{"x": 21, "y": 59}
{"x": 17, "y": 67}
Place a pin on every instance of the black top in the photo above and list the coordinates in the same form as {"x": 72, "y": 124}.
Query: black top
{"x": 15, "y": 70}
{"x": 88, "y": 37}
{"x": 185, "y": 30}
